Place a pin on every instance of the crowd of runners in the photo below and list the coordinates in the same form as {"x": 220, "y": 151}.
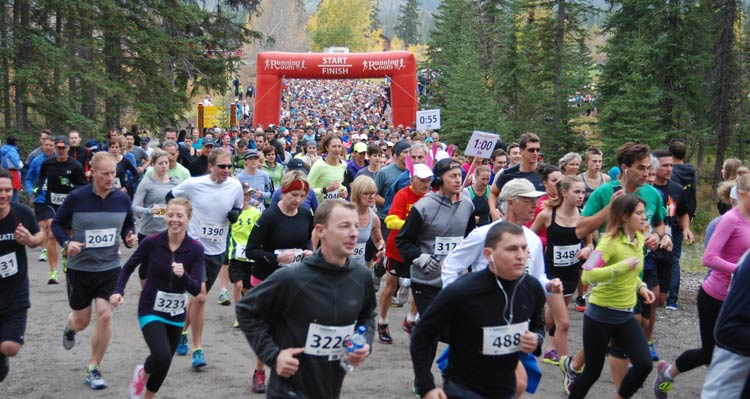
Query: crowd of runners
{"x": 322, "y": 223}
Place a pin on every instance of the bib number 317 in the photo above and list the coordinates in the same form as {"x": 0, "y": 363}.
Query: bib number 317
{"x": 503, "y": 340}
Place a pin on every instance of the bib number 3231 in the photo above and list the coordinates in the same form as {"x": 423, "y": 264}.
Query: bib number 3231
{"x": 169, "y": 302}
{"x": 503, "y": 340}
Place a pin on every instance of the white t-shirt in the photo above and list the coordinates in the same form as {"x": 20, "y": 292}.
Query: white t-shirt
{"x": 211, "y": 202}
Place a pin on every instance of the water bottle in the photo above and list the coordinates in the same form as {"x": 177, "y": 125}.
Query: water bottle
{"x": 356, "y": 341}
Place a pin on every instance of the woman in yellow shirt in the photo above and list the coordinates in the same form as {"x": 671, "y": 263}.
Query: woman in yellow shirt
{"x": 613, "y": 272}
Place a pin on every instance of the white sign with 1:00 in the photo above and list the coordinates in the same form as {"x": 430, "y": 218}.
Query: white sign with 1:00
{"x": 481, "y": 144}
{"x": 428, "y": 119}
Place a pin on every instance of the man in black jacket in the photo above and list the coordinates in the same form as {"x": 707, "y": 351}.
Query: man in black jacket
{"x": 321, "y": 299}
{"x": 490, "y": 316}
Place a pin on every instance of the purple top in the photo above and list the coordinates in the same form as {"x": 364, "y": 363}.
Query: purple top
{"x": 154, "y": 253}
{"x": 728, "y": 243}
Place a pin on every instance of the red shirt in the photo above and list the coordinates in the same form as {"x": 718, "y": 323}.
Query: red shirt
{"x": 402, "y": 203}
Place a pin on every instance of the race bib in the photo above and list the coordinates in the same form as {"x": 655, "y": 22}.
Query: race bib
{"x": 169, "y": 302}
{"x": 162, "y": 211}
{"x": 117, "y": 183}
{"x": 331, "y": 195}
{"x": 359, "y": 251}
{"x": 297, "y": 256}
{"x": 240, "y": 251}
{"x": 101, "y": 238}
{"x": 327, "y": 340}
{"x": 443, "y": 245}
{"x": 57, "y": 199}
{"x": 503, "y": 340}
{"x": 8, "y": 265}
{"x": 565, "y": 255}
{"x": 212, "y": 232}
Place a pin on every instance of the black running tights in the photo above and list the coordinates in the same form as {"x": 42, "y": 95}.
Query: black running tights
{"x": 708, "y": 313}
{"x": 162, "y": 341}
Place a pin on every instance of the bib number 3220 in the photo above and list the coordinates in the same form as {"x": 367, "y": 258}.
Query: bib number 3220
{"x": 326, "y": 340}
{"x": 503, "y": 340}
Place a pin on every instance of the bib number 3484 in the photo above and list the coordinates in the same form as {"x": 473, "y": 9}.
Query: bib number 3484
{"x": 503, "y": 340}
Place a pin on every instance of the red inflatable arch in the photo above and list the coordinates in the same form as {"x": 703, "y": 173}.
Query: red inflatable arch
{"x": 400, "y": 66}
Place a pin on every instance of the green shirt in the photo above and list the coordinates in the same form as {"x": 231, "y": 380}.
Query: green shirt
{"x": 322, "y": 174}
{"x": 615, "y": 286}
{"x": 179, "y": 172}
{"x": 240, "y": 232}
{"x": 655, "y": 210}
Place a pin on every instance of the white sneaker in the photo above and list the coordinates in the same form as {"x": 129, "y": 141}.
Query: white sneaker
{"x": 43, "y": 256}
{"x": 137, "y": 383}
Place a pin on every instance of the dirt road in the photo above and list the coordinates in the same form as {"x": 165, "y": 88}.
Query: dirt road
{"x": 44, "y": 369}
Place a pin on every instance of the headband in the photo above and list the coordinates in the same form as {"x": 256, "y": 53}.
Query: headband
{"x": 294, "y": 186}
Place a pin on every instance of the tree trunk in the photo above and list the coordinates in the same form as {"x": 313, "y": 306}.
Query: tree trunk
{"x": 5, "y": 65}
{"x": 21, "y": 17}
{"x": 560, "y": 107}
{"x": 113, "y": 65}
{"x": 724, "y": 81}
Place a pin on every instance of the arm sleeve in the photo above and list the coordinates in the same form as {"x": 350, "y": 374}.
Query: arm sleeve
{"x": 139, "y": 208}
{"x": 608, "y": 272}
{"x": 42, "y": 177}
{"x": 267, "y": 186}
{"x": 315, "y": 173}
{"x": 260, "y": 304}
{"x": 140, "y": 256}
{"x": 406, "y": 240}
{"x": 367, "y": 315}
{"x": 397, "y": 214}
{"x": 128, "y": 225}
{"x": 62, "y": 219}
{"x": 537, "y": 260}
{"x": 14, "y": 159}
{"x": 536, "y": 323}
{"x": 722, "y": 234}
{"x": 194, "y": 279}
{"x": 425, "y": 336}
{"x": 31, "y": 175}
{"x": 463, "y": 256}
{"x": 256, "y": 241}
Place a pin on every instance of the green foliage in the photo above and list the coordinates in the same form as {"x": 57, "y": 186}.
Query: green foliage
{"x": 94, "y": 65}
{"x": 338, "y": 23}
{"x": 407, "y": 28}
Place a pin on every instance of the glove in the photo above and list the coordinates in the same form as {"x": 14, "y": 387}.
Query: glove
{"x": 427, "y": 262}
{"x": 233, "y": 215}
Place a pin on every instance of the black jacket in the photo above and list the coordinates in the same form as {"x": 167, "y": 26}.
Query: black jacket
{"x": 276, "y": 315}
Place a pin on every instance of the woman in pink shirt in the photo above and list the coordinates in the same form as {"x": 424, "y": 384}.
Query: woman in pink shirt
{"x": 728, "y": 243}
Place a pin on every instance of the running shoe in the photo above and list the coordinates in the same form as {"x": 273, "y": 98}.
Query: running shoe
{"x": 94, "y": 379}
{"x": 551, "y": 357}
{"x": 662, "y": 384}
{"x": 569, "y": 375}
{"x": 68, "y": 338}
{"x": 182, "y": 345}
{"x": 236, "y": 324}
{"x": 4, "y": 367}
{"x": 43, "y": 256}
{"x": 580, "y": 304}
{"x": 137, "y": 384}
{"x": 199, "y": 359}
{"x": 652, "y": 350}
{"x": 384, "y": 334}
{"x": 395, "y": 302}
{"x": 408, "y": 326}
{"x": 53, "y": 278}
{"x": 224, "y": 297}
{"x": 403, "y": 294}
{"x": 259, "y": 382}
{"x": 672, "y": 306}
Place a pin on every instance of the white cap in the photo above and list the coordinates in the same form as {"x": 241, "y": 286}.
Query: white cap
{"x": 363, "y": 136}
{"x": 422, "y": 171}
{"x": 440, "y": 154}
{"x": 733, "y": 193}
{"x": 520, "y": 188}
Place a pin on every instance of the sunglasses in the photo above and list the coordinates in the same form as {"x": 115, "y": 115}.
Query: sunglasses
{"x": 532, "y": 150}
{"x": 223, "y": 165}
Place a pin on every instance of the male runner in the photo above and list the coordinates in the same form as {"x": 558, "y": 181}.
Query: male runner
{"x": 298, "y": 319}
{"x": 96, "y": 213}
{"x": 526, "y": 169}
{"x": 18, "y": 229}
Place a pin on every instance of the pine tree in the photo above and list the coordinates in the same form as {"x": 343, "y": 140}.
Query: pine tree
{"x": 407, "y": 28}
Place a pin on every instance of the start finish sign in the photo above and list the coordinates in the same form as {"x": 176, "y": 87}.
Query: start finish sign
{"x": 428, "y": 119}
{"x": 481, "y": 144}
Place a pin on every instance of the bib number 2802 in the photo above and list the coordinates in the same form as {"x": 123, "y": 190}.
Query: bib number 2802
{"x": 503, "y": 340}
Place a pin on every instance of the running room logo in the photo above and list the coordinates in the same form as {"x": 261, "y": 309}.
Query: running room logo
{"x": 285, "y": 65}
{"x": 383, "y": 65}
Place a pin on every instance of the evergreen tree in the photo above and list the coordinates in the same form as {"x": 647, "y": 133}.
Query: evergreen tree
{"x": 407, "y": 28}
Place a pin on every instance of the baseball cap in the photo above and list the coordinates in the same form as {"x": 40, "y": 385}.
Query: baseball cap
{"x": 444, "y": 165}
{"x": 62, "y": 141}
{"x": 422, "y": 171}
{"x": 295, "y": 163}
{"x": 209, "y": 141}
{"x": 440, "y": 155}
{"x": 217, "y": 130}
{"x": 233, "y": 129}
{"x": 360, "y": 147}
{"x": 400, "y": 147}
{"x": 251, "y": 153}
{"x": 363, "y": 136}
{"x": 520, "y": 188}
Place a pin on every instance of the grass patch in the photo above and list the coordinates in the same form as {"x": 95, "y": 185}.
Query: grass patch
{"x": 692, "y": 255}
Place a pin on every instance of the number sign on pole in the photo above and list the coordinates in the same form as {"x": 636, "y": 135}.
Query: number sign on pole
{"x": 428, "y": 119}
{"x": 481, "y": 144}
